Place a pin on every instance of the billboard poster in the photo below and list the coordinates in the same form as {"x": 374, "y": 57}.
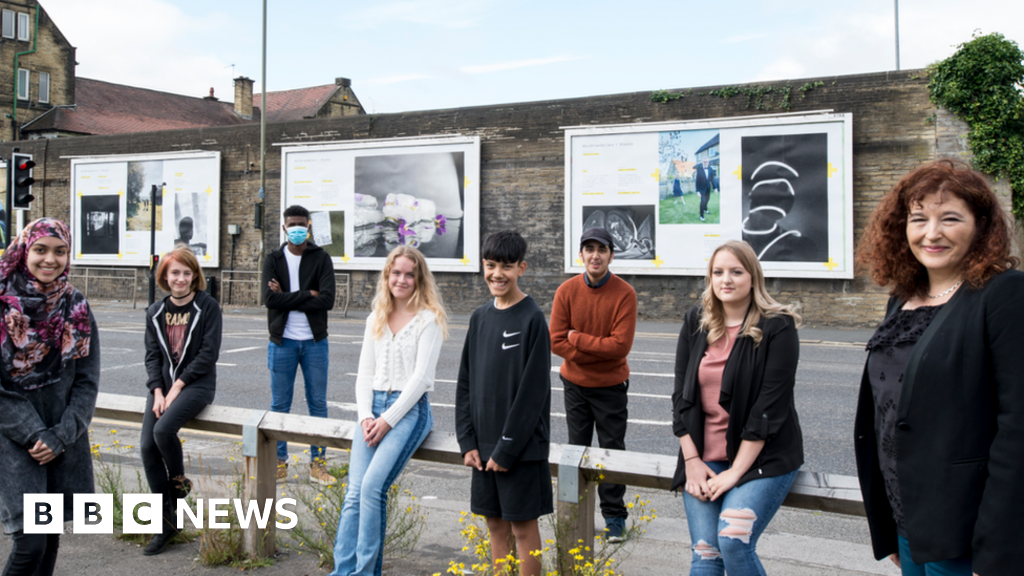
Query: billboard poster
{"x": 367, "y": 197}
{"x": 670, "y": 193}
{"x": 114, "y": 198}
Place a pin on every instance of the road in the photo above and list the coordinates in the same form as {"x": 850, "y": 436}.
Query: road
{"x": 827, "y": 378}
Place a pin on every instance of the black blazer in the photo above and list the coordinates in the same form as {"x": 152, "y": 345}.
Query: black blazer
{"x": 757, "y": 392}
{"x": 960, "y": 435}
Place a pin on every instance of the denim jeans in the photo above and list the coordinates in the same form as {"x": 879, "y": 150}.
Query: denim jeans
{"x": 283, "y": 360}
{"x": 954, "y": 567}
{"x": 714, "y": 554}
{"x": 371, "y": 472}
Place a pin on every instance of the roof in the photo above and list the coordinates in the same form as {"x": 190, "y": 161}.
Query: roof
{"x": 709, "y": 144}
{"x": 288, "y": 105}
{"x": 106, "y": 108}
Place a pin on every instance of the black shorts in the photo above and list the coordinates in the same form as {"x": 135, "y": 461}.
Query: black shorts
{"x": 523, "y": 493}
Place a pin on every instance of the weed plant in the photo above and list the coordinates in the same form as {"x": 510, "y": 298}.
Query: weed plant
{"x": 597, "y": 559}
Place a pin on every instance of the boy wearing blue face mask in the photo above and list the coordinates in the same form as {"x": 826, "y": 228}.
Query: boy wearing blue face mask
{"x": 298, "y": 290}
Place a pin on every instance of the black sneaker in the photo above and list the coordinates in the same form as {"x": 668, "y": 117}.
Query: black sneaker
{"x": 614, "y": 529}
{"x": 159, "y": 543}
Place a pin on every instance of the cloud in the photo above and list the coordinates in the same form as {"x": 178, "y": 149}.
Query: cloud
{"x": 153, "y": 43}
{"x": 500, "y": 66}
{"x": 442, "y": 13}
{"x": 384, "y": 80}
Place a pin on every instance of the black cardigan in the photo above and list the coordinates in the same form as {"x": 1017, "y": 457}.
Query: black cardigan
{"x": 198, "y": 365}
{"x": 757, "y": 392}
{"x": 960, "y": 435}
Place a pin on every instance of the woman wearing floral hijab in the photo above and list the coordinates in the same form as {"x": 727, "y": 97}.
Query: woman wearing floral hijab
{"x": 49, "y": 376}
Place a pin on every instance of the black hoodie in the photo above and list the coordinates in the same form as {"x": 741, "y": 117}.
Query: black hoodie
{"x": 316, "y": 272}
{"x": 198, "y": 365}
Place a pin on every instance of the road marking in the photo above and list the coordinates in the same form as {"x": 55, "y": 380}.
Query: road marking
{"x": 631, "y": 374}
{"x": 243, "y": 349}
{"x": 642, "y": 395}
{"x": 225, "y": 364}
{"x": 112, "y": 368}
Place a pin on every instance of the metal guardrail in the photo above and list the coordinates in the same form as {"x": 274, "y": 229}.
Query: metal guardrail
{"x": 582, "y": 466}
{"x": 250, "y": 279}
{"x": 80, "y": 278}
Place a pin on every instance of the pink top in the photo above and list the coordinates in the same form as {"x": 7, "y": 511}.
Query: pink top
{"x": 709, "y": 376}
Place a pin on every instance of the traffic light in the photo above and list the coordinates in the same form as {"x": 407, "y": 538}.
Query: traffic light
{"x": 22, "y": 181}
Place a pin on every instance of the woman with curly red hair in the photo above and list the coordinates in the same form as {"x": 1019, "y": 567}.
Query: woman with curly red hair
{"x": 939, "y": 431}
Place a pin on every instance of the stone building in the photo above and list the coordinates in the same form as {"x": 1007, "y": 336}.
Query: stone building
{"x": 40, "y": 96}
{"x": 37, "y": 65}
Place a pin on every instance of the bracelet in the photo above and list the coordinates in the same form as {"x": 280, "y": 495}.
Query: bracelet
{"x": 690, "y": 458}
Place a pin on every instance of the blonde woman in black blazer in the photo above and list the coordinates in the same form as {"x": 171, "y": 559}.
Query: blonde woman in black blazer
{"x": 740, "y": 445}
{"x": 939, "y": 431}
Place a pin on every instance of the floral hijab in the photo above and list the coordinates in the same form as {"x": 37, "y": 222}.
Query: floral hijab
{"x": 43, "y": 325}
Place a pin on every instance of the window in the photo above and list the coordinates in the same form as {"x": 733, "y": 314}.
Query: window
{"x": 23, "y": 79}
{"x": 44, "y": 87}
{"x": 23, "y": 23}
{"x": 8, "y": 24}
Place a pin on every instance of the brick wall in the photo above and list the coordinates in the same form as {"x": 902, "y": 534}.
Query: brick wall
{"x": 895, "y": 128}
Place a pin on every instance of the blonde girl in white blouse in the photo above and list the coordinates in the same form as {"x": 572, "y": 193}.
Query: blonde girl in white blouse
{"x": 401, "y": 345}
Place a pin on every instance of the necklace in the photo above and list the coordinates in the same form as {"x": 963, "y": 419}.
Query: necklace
{"x": 951, "y": 288}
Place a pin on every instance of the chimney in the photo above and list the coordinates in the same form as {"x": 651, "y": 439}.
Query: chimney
{"x": 243, "y": 97}
{"x": 211, "y": 96}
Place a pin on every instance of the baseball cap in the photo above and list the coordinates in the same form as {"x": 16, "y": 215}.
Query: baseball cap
{"x": 599, "y": 234}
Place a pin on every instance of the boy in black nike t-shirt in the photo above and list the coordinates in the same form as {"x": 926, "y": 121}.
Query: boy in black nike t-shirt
{"x": 503, "y": 405}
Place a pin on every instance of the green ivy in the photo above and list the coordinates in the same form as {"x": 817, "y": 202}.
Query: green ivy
{"x": 981, "y": 84}
{"x": 760, "y": 97}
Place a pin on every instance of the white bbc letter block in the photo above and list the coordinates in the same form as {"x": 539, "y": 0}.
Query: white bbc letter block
{"x": 43, "y": 513}
{"x": 94, "y": 514}
{"x": 215, "y": 513}
{"x": 150, "y": 510}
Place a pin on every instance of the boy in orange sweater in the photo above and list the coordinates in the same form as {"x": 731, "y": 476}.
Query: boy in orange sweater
{"x": 593, "y": 320}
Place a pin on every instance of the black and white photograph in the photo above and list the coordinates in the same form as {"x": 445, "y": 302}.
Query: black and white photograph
{"x": 99, "y": 218}
{"x": 190, "y": 218}
{"x": 142, "y": 177}
{"x": 785, "y": 197}
{"x": 412, "y": 199}
{"x": 632, "y": 229}
{"x": 329, "y": 231}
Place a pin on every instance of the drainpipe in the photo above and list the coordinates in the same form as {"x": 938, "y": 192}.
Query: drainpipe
{"x": 35, "y": 40}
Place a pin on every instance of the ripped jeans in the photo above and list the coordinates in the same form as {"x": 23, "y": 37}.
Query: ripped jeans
{"x": 725, "y": 532}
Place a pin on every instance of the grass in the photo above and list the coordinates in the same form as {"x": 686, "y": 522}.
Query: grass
{"x": 669, "y": 212}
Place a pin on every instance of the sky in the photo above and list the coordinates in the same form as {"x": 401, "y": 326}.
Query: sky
{"x": 432, "y": 54}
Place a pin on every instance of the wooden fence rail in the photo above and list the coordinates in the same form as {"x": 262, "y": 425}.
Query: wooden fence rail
{"x": 261, "y": 429}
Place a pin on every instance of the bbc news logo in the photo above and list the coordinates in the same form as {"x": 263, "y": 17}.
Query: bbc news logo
{"x": 94, "y": 513}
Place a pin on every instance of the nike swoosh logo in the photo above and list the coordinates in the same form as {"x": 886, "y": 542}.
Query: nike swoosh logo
{"x": 507, "y": 335}
{"x": 508, "y": 346}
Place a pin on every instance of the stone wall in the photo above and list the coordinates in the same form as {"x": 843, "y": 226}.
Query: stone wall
{"x": 895, "y": 128}
{"x": 54, "y": 55}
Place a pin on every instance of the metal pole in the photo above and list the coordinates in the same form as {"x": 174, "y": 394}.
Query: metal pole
{"x": 263, "y": 147}
{"x": 896, "y": 11}
{"x": 8, "y": 202}
{"x": 152, "y": 244}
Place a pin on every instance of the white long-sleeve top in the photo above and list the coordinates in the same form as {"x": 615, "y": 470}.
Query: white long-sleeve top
{"x": 403, "y": 362}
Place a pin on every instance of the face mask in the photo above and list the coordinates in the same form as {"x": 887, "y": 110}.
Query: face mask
{"x": 297, "y": 234}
